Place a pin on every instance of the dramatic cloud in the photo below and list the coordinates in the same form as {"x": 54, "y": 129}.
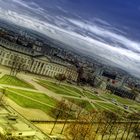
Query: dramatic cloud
{"x": 93, "y": 38}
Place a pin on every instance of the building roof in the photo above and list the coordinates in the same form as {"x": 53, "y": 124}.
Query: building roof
{"x": 17, "y": 48}
{"x": 43, "y": 58}
{"x": 54, "y": 60}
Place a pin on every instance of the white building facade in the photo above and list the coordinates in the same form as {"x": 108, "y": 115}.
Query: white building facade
{"x": 34, "y": 62}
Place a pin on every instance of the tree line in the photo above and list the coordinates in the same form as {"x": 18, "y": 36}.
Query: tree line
{"x": 92, "y": 125}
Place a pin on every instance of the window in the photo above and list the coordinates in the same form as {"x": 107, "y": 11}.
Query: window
{"x": 11, "y": 56}
{"x": 5, "y": 62}
{"x": 9, "y": 63}
{"x": 3, "y": 54}
{"x": 7, "y": 56}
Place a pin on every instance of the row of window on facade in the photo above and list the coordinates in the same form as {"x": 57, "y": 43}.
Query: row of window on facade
{"x": 10, "y": 45}
{"x": 49, "y": 66}
{"x": 8, "y": 58}
{"x": 14, "y": 57}
{"x": 51, "y": 69}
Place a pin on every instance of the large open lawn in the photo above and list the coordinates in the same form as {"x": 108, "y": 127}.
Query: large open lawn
{"x": 60, "y": 89}
{"x": 82, "y": 103}
{"x": 72, "y": 93}
{"x": 119, "y": 99}
{"x": 91, "y": 95}
{"x": 99, "y": 102}
{"x": 14, "y": 81}
{"x": 31, "y": 99}
{"x": 96, "y": 105}
{"x": 111, "y": 107}
{"x": 37, "y": 96}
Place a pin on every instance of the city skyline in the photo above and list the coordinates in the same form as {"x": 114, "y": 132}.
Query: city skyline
{"x": 86, "y": 28}
{"x": 69, "y": 69}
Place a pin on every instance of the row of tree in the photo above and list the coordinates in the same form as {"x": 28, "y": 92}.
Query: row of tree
{"x": 17, "y": 65}
{"x": 104, "y": 124}
{"x": 81, "y": 125}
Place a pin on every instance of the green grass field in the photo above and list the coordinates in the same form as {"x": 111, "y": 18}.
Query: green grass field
{"x": 119, "y": 99}
{"x": 91, "y": 95}
{"x": 27, "y": 103}
{"x": 36, "y": 96}
{"x": 60, "y": 89}
{"x": 24, "y": 101}
{"x": 97, "y": 105}
{"x": 73, "y": 91}
{"x": 94, "y": 102}
{"x": 135, "y": 107}
{"x": 81, "y": 102}
{"x": 14, "y": 81}
{"x": 72, "y": 88}
{"x": 110, "y": 107}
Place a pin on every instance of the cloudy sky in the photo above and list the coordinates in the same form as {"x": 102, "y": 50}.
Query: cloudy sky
{"x": 107, "y": 28}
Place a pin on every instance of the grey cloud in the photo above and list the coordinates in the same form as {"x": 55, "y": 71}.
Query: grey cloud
{"x": 125, "y": 57}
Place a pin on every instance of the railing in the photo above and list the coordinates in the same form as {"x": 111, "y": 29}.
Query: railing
{"x": 83, "y": 122}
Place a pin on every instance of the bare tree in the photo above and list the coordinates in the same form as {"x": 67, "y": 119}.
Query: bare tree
{"x": 77, "y": 129}
{"x": 119, "y": 126}
{"x": 17, "y": 65}
{"x": 108, "y": 119}
{"x": 60, "y": 112}
{"x": 92, "y": 118}
{"x": 67, "y": 116}
{"x": 133, "y": 126}
{"x": 136, "y": 131}
{"x": 84, "y": 127}
{"x": 80, "y": 71}
{"x": 60, "y": 78}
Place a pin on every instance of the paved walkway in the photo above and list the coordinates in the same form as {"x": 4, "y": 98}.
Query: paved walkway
{"x": 29, "y": 79}
{"x": 40, "y": 89}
